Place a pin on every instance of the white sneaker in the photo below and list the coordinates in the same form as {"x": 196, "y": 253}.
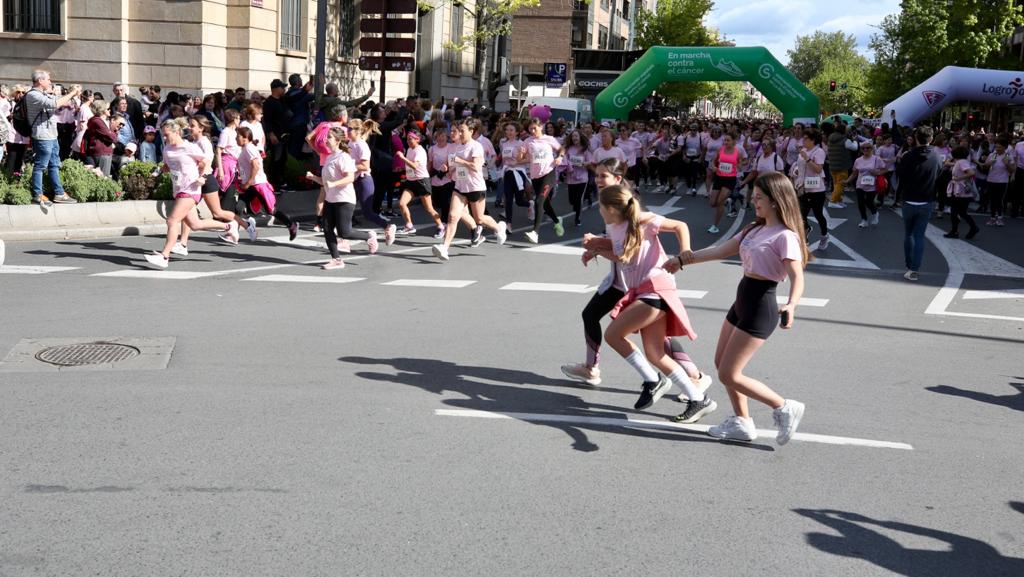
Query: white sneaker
{"x": 251, "y": 229}
{"x": 231, "y": 236}
{"x": 532, "y": 236}
{"x": 713, "y": 229}
{"x": 863, "y": 224}
{"x": 179, "y": 249}
{"x": 157, "y": 260}
{"x": 702, "y": 385}
{"x": 823, "y": 243}
{"x": 529, "y": 211}
{"x": 787, "y": 418}
{"x": 734, "y": 429}
{"x": 910, "y": 275}
{"x": 836, "y": 205}
{"x": 582, "y": 373}
{"x": 873, "y": 219}
{"x": 440, "y": 251}
{"x": 502, "y": 234}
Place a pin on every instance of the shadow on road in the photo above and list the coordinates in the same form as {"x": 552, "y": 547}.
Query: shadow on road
{"x": 514, "y": 395}
{"x": 1015, "y": 402}
{"x": 859, "y": 539}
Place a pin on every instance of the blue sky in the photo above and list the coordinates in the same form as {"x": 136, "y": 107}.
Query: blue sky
{"x": 775, "y": 24}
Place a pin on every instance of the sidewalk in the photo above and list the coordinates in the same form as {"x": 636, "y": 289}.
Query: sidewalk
{"x": 108, "y": 219}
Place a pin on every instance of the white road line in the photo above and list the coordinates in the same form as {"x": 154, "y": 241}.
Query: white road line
{"x": 735, "y": 226}
{"x": 156, "y": 274}
{"x": 631, "y": 423}
{"x": 691, "y": 294}
{"x": 804, "y": 302}
{"x": 555, "y": 248}
{"x": 548, "y": 287}
{"x": 993, "y": 294}
{"x": 668, "y": 208}
{"x": 304, "y": 279}
{"x": 19, "y": 269}
{"x": 430, "y": 283}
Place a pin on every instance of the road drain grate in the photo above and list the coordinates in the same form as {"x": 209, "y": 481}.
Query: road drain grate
{"x": 77, "y": 355}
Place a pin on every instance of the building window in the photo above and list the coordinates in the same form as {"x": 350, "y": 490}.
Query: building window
{"x": 581, "y": 5}
{"x": 605, "y": 6}
{"x": 625, "y": 9}
{"x": 292, "y": 14}
{"x": 32, "y": 16}
{"x": 602, "y": 37}
{"x": 453, "y": 57}
{"x": 590, "y": 40}
{"x": 577, "y": 33}
{"x": 348, "y": 13}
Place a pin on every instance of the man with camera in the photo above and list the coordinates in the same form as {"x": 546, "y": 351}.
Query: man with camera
{"x": 42, "y": 104}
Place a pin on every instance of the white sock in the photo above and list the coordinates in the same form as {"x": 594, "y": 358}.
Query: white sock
{"x": 680, "y": 379}
{"x": 637, "y": 360}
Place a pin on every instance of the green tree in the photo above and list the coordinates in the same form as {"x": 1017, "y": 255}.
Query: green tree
{"x": 810, "y": 54}
{"x": 928, "y": 35}
{"x": 491, "y": 18}
{"x": 853, "y": 74}
{"x": 678, "y": 23}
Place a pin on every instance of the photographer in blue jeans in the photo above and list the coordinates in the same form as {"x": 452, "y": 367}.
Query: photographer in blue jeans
{"x": 917, "y": 172}
{"x": 42, "y": 106}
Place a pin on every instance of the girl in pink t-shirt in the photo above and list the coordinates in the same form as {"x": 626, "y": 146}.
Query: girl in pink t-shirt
{"x": 467, "y": 163}
{"x": 417, "y": 183}
{"x": 186, "y": 162}
{"x": 865, "y": 170}
{"x": 577, "y": 176}
{"x": 651, "y": 303}
{"x": 771, "y": 249}
{"x": 543, "y": 153}
{"x": 515, "y": 180}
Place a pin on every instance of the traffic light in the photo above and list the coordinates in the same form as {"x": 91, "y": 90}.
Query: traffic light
{"x": 831, "y": 85}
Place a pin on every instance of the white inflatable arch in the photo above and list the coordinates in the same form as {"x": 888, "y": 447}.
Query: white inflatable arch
{"x": 951, "y": 84}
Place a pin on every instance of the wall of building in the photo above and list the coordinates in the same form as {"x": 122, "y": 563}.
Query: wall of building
{"x": 542, "y": 34}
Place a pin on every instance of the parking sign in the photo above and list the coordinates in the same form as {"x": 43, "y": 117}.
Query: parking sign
{"x": 555, "y": 74}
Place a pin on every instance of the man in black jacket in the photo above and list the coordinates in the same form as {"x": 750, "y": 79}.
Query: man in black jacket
{"x": 917, "y": 172}
{"x": 275, "y": 126}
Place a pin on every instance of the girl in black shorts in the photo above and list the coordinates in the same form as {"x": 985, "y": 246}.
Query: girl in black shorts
{"x": 772, "y": 248}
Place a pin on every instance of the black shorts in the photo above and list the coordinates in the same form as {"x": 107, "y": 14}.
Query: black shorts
{"x": 755, "y": 311}
{"x": 444, "y": 190}
{"x": 418, "y": 188}
{"x": 727, "y": 182}
{"x": 547, "y": 181}
{"x": 211, "y": 186}
{"x": 657, "y": 303}
{"x": 475, "y": 196}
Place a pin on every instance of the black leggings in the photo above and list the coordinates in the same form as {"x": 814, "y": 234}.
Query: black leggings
{"x": 814, "y": 201}
{"x": 576, "y": 198}
{"x": 15, "y": 157}
{"x": 659, "y": 169}
{"x": 543, "y": 190}
{"x": 441, "y": 196}
{"x": 338, "y": 220}
{"x": 959, "y": 210}
{"x": 514, "y": 195}
{"x": 692, "y": 171}
{"x": 242, "y": 206}
{"x": 865, "y": 203}
{"x": 996, "y": 198}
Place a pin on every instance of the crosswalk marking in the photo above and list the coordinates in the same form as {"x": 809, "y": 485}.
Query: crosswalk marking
{"x": 548, "y": 287}
{"x": 993, "y": 294}
{"x": 430, "y": 283}
{"x": 156, "y": 274}
{"x": 304, "y": 279}
{"x": 19, "y": 269}
{"x": 691, "y": 294}
{"x": 557, "y": 249}
{"x": 804, "y": 302}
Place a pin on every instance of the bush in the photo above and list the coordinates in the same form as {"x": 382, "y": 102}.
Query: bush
{"x": 163, "y": 190}
{"x": 80, "y": 183}
{"x": 137, "y": 180}
{"x": 13, "y": 192}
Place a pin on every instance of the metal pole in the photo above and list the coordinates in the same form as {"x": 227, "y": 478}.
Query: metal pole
{"x": 321, "y": 46}
{"x": 383, "y": 46}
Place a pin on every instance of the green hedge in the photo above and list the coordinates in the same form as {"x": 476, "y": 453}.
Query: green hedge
{"x": 79, "y": 181}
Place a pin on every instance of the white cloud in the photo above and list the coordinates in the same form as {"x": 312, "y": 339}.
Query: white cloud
{"x": 775, "y": 24}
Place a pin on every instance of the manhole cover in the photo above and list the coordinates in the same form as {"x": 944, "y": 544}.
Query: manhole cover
{"x": 86, "y": 354}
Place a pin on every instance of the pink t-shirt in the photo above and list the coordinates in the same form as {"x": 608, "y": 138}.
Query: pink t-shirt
{"x": 206, "y": 146}
{"x": 690, "y": 145}
{"x": 595, "y": 142}
{"x": 228, "y": 143}
{"x": 865, "y": 168}
{"x": 337, "y": 166}
{"x": 510, "y": 155}
{"x": 576, "y": 165}
{"x": 541, "y": 154}
{"x": 605, "y": 153}
{"x": 631, "y": 148}
{"x": 183, "y": 160}
{"x": 772, "y": 162}
{"x": 438, "y": 156}
{"x": 712, "y": 145}
{"x": 245, "y": 158}
{"x": 958, "y": 184}
{"x": 359, "y": 151}
{"x": 648, "y": 260}
{"x": 419, "y": 156}
{"x": 998, "y": 173}
{"x": 817, "y": 155}
{"x": 469, "y": 178}
{"x": 765, "y": 249}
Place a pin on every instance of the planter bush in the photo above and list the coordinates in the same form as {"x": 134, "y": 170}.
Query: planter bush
{"x": 137, "y": 180}
{"x": 13, "y": 192}
{"x": 80, "y": 183}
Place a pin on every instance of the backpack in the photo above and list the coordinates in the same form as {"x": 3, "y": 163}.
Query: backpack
{"x": 19, "y": 118}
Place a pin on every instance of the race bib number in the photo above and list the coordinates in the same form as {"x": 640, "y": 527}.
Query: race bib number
{"x": 451, "y": 159}
{"x": 691, "y": 152}
{"x": 576, "y": 160}
{"x": 176, "y": 180}
{"x": 725, "y": 167}
{"x": 508, "y": 154}
{"x": 813, "y": 182}
{"x": 866, "y": 180}
{"x": 462, "y": 173}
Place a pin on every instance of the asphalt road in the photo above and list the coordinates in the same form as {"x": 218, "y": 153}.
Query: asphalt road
{"x": 370, "y": 427}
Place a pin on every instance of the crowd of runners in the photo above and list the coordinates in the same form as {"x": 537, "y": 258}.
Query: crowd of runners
{"x": 471, "y": 167}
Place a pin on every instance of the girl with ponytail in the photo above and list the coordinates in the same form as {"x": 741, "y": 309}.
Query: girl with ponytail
{"x": 650, "y": 304}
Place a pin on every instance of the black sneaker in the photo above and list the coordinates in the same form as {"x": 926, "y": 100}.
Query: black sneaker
{"x": 652, "y": 391}
{"x": 695, "y": 410}
{"x": 478, "y": 237}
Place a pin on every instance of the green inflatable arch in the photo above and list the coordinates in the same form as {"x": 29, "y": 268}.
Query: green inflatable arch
{"x": 712, "y": 63}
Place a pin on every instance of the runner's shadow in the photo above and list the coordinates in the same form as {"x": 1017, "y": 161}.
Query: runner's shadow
{"x": 1015, "y": 402}
{"x": 132, "y": 260}
{"x": 1017, "y": 506}
{"x": 856, "y": 539}
{"x": 514, "y": 396}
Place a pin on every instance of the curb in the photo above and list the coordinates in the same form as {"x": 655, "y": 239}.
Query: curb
{"x": 110, "y": 219}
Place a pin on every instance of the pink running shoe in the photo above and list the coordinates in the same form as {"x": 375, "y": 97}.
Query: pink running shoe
{"x": 371, "y": 242}
{"x": 333, "y": 264}
{"x": 389, "y": 234}
{"x": 344, "y": 246}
